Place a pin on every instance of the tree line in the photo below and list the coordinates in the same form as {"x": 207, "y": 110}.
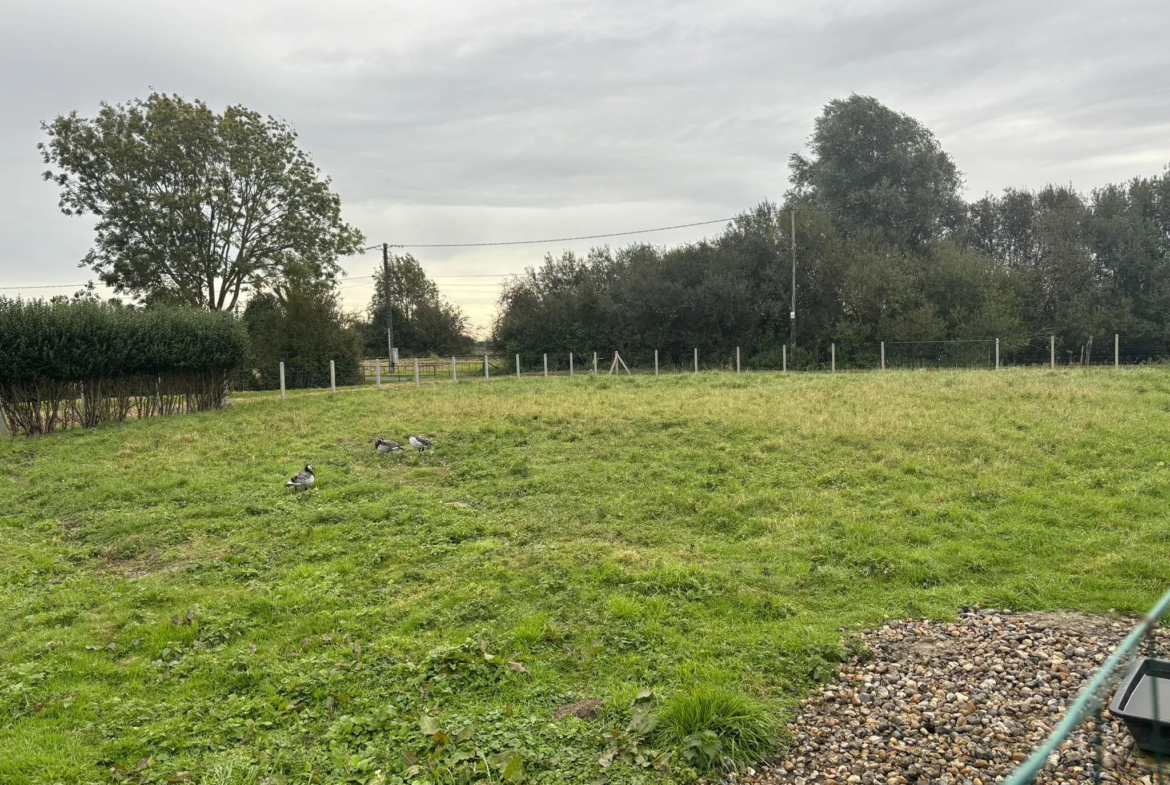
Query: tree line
{"x": 886, "y": 250}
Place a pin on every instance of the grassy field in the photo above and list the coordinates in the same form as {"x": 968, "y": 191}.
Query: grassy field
{"x": 687, "y": 550}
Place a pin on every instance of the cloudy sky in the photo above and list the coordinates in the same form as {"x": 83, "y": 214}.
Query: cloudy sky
{"x": 449, "y": 121}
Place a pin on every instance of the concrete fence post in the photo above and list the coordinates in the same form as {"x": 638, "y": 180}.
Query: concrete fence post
{"x": 595, "y": 363}
{"x": 517, "y": 366}
{"x": 282, "y": 393}
{"x": 546, "y": 366}
{"x": 784, "y": 358}
{"x": 454, "y": 373}
{"x": 416, "y": 372}
{"x": 378, "y": 372}
{"x": 655, "y": 362}
{"x": 737, "y": 359}
{"x": 332, "y": 376}
{"x": 1052, "y": 351}
{"x": 696, "y": 360}
{"x": 883, "y": 355}
{"x": 570, "y": 363}
{"x": 486, "y": 373}
{"x": 997, "y": 354}
{"x": 1116, "y": 350}
{"x": 833, "y": 357}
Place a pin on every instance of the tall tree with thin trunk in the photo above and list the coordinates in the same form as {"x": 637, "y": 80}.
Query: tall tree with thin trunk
{"x": 193, "y": 206}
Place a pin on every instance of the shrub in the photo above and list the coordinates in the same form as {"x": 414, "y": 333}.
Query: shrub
{"x": 716, "y": 728}
{"x": 85, "y": 363}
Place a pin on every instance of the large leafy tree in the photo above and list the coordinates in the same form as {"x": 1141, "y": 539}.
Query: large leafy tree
{"x": 194, "y": 206}
{"x": 424, "y": 323}
{"x": 874, "y": 168}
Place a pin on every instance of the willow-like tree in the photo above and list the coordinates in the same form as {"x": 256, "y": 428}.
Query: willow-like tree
{"x": 192, "y": 206}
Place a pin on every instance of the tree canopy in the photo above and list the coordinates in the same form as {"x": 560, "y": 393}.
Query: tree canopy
{"x": 424, "y": 323}
{"x": 192, "y": 206}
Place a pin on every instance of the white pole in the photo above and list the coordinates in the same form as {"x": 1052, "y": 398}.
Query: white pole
{"x": 737, "y": 359}
{"x": 1052, "y": 351}
{"x": 378, "y": 372}
{"x": 595, "y": 363}
{"x": 546, "y": 366}
{"x": 1116, "y": 350}
{"x": 883, "y": 355}
{"x": 517, "y": 366}
{"x": 332, "y": 376}
{"x": 833, "y": 357}
{"x": 784, "y": 357}
{"x": 282, "y": 380}
{"x": 997, "y": 354}
{"x": 416, "y": 372}
{"x": 655, "y": 362}
{"x": 696, "y": 359}
{"x": 570, "y": 363}
{"x": 486, "y": 374}
{"x": 454, "y": 373}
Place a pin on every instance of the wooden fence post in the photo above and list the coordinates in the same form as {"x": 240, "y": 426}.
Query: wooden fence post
{"x": 332, "y": 376}
{"x": 546, "y": 366}
{"x": 696, "y": 359}
{"x": 833, "y": 357}
{"x": 595, "y": 363}
{"x": 282, "y": 394}
{"x": 737, "y": 359}
{"x": 1116, "y": 350}
{"x": 486, "y": 374}
{"x": 997, "y": 354}
{"x": 784, "y": 358}
{"x": 1052, "y": 351}
{"x": 570, "y": 363}
{"x": 517, "y": 366}
{"x": 883, "y": 355}
{"x": 378, "y": 372}
{"x": 655, "y": 362}
{"x": 454, "y": 373}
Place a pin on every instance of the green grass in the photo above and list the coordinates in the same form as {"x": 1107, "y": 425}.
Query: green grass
{"x": 167, "y": 606}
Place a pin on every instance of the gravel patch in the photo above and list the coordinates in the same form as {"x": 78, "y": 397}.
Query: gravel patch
{"x": 961, "y": 704}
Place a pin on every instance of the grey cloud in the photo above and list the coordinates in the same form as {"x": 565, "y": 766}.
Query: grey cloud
{"x": 494, "y": 119}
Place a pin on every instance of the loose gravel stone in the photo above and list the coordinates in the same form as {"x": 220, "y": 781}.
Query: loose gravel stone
{"x": 962, "y": 703}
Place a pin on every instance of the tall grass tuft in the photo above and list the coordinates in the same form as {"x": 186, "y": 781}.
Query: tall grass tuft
{"x": 717, "y": 728}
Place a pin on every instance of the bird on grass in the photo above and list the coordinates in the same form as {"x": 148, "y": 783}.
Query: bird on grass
{"x": 303, "y": 479}
{"x": 384, "y": 446}
{"x": 420, "y": 443}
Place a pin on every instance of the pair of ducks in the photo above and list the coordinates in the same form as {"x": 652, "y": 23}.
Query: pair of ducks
{"x": 305, "y": 479}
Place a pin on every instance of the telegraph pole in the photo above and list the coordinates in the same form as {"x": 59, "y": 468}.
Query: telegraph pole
{"x": 389, "y": 312}
{"x": 792, "y": 313}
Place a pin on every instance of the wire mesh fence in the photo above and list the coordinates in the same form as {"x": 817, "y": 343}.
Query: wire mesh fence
{"x": 987, "y": 354}
{"x": 1117, "y": 729}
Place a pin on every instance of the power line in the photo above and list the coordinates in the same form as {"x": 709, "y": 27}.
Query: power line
{"x": 561, "y": 239}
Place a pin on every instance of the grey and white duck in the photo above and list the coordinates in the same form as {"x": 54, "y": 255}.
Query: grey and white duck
{"x": 420, "y": 443}
{"x": 386, "y": 446}
{"x": 302, "y": 479}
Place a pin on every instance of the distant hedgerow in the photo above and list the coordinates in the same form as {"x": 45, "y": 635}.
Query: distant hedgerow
{"x": 85, "y": 363}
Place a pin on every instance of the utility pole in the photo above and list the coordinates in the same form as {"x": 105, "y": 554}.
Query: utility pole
{"x": 792, "y": 313}
{"x": 389, "y": 312}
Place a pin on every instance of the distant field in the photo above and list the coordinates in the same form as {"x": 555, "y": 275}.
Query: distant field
{"x": 169, "y": 612}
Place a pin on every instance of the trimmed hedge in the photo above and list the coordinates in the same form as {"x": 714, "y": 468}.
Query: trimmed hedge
{"x": 85, "y": 363}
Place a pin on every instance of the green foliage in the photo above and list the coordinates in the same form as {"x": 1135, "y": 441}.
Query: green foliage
{"x": 153, "y": 361}
{"x": 171, "y": 604}
{"x": 716, "y": 728}
{"x": 194, "y": 206}
{"x": 876, "y": 169}
{"x": 424, "y": 323}
{"x": 885, "y": 251}
{"x": 301, "y": 324}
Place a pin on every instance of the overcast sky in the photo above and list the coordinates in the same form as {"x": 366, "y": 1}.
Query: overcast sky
{"x": 446, "y": 121}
